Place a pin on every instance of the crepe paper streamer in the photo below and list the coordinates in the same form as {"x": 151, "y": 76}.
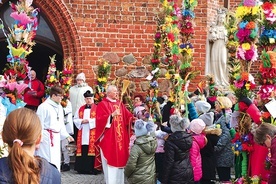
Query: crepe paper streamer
{"x": 266, "y": 59}
{"x": 186, "y": 104}
{"x": 232, "y": 132}
{"x": 244, "y": 164}
{"x": 238, "y": 166}
{"x": 8, "y": 40}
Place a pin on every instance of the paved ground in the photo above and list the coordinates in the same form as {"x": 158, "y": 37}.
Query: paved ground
{"x": 73, "y": 177}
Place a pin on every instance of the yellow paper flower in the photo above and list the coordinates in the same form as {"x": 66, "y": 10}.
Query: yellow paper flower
{"x": 189, "y": 51}
{"x": 69, "y": 82}
{"x": 52, "y": 78}
{"x": 105, "y": 64}
{"x": 240, "y": 11}
{"x": 19, "y": 52}
{"x": 171, "y": 98}
{"x": 247, "y": 86}
{"x": 255, "y": 10}
{"x": 246, "y": 46}
{"x": 157, "y": 44}
{"x": 168, "y": 75}
{"x": 102, "y": 79}
{"x": 168, "y": 19}
{"x": 165, "y": 3}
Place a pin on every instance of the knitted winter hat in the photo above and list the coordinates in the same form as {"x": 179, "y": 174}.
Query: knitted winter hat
{"x": 208, "y": 118}
{"x": 197, "y": 126}
{"x": 178, "y": 124}
{"x": 224, "y": 102}
{"x": 81, "y": 76}
{"x": 202, "y": 106}
{"x": 185, "y": 122}
{"x": 143, "y": 128}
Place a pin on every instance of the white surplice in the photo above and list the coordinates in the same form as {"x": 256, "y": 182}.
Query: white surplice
{"x": 52, "y": 119}
{"x": 84, "y": 127}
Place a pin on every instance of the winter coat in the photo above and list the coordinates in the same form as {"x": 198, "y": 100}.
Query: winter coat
{"x": 208, "y": 154}
{"x": 48, "y": 173}
{"x": 37, "y": 86}
{"x": 199, "y": 141}
{"x": 140, "y": 167}
{"x": 178, "y": 168}
{"x": 272, "y": 176}
{"x": 192, "y": 111}
{"x": 223, "y": 149}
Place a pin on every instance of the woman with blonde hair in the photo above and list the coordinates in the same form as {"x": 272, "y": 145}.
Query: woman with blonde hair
{"x": 223, "y": 150}
{"x": 22, "y": 133}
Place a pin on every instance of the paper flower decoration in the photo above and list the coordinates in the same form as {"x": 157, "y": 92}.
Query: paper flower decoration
{"x": 22, "y": 18}
{"x": 20, "y": 43}
{"x": 247, "y": 52}
{"x": 243, "y": 85}
{"x": 65, "y": 80}
{"x": 52, "y": 77}
{"x": 267, "y": 70}
{"x": 247, "y": 12}
{"x": 104, "y": 69}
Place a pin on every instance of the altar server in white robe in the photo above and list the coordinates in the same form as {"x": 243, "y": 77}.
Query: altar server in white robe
{"x": 51, "y": 115}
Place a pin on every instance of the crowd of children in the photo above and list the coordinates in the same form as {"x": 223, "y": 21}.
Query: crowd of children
{"x": 180, "y": 149}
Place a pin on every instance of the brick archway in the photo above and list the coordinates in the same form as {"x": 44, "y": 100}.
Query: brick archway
{"x": 56, "y": 13}
{"x": 61, "y": 20}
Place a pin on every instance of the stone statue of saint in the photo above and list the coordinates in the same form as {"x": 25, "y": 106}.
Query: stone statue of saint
{"x": 216, "y": 51}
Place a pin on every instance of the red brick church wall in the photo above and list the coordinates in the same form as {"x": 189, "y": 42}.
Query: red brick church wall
{"x": 89, "y": 29}
{"x": 124, "y": 27}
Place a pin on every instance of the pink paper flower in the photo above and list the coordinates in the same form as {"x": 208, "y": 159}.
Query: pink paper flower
{"x": 239, "y": 83}
{"x": 249, "y": 54}
{"x": 22, "y": 17}
{"x": 250, "y": 3}
{"x": 243, "y": 35}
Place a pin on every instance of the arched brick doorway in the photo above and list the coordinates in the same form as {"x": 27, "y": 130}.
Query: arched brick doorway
{"x": 67, "y": 42}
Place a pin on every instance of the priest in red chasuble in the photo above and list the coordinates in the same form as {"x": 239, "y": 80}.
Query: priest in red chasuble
{"x": 84, "y": 120}
{"x": 113, "y": 122}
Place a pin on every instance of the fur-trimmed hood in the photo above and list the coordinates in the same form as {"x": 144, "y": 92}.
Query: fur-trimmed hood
{"x": 214, "y": 131}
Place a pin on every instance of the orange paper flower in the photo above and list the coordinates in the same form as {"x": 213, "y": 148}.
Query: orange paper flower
{"x": 250, "y": 25}
{"x": 245, "y": 76}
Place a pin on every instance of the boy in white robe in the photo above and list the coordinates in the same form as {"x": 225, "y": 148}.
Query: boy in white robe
{"x": 50, "y": 113}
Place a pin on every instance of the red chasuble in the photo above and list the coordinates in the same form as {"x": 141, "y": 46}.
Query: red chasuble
{"x": 91, "y": 147}
{"x": 113, "y": 141}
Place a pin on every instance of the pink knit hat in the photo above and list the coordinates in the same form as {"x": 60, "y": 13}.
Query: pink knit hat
{"x": 197, "y": 126}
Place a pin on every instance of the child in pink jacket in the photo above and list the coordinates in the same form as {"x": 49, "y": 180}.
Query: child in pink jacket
{"x": 199, "y": 141}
